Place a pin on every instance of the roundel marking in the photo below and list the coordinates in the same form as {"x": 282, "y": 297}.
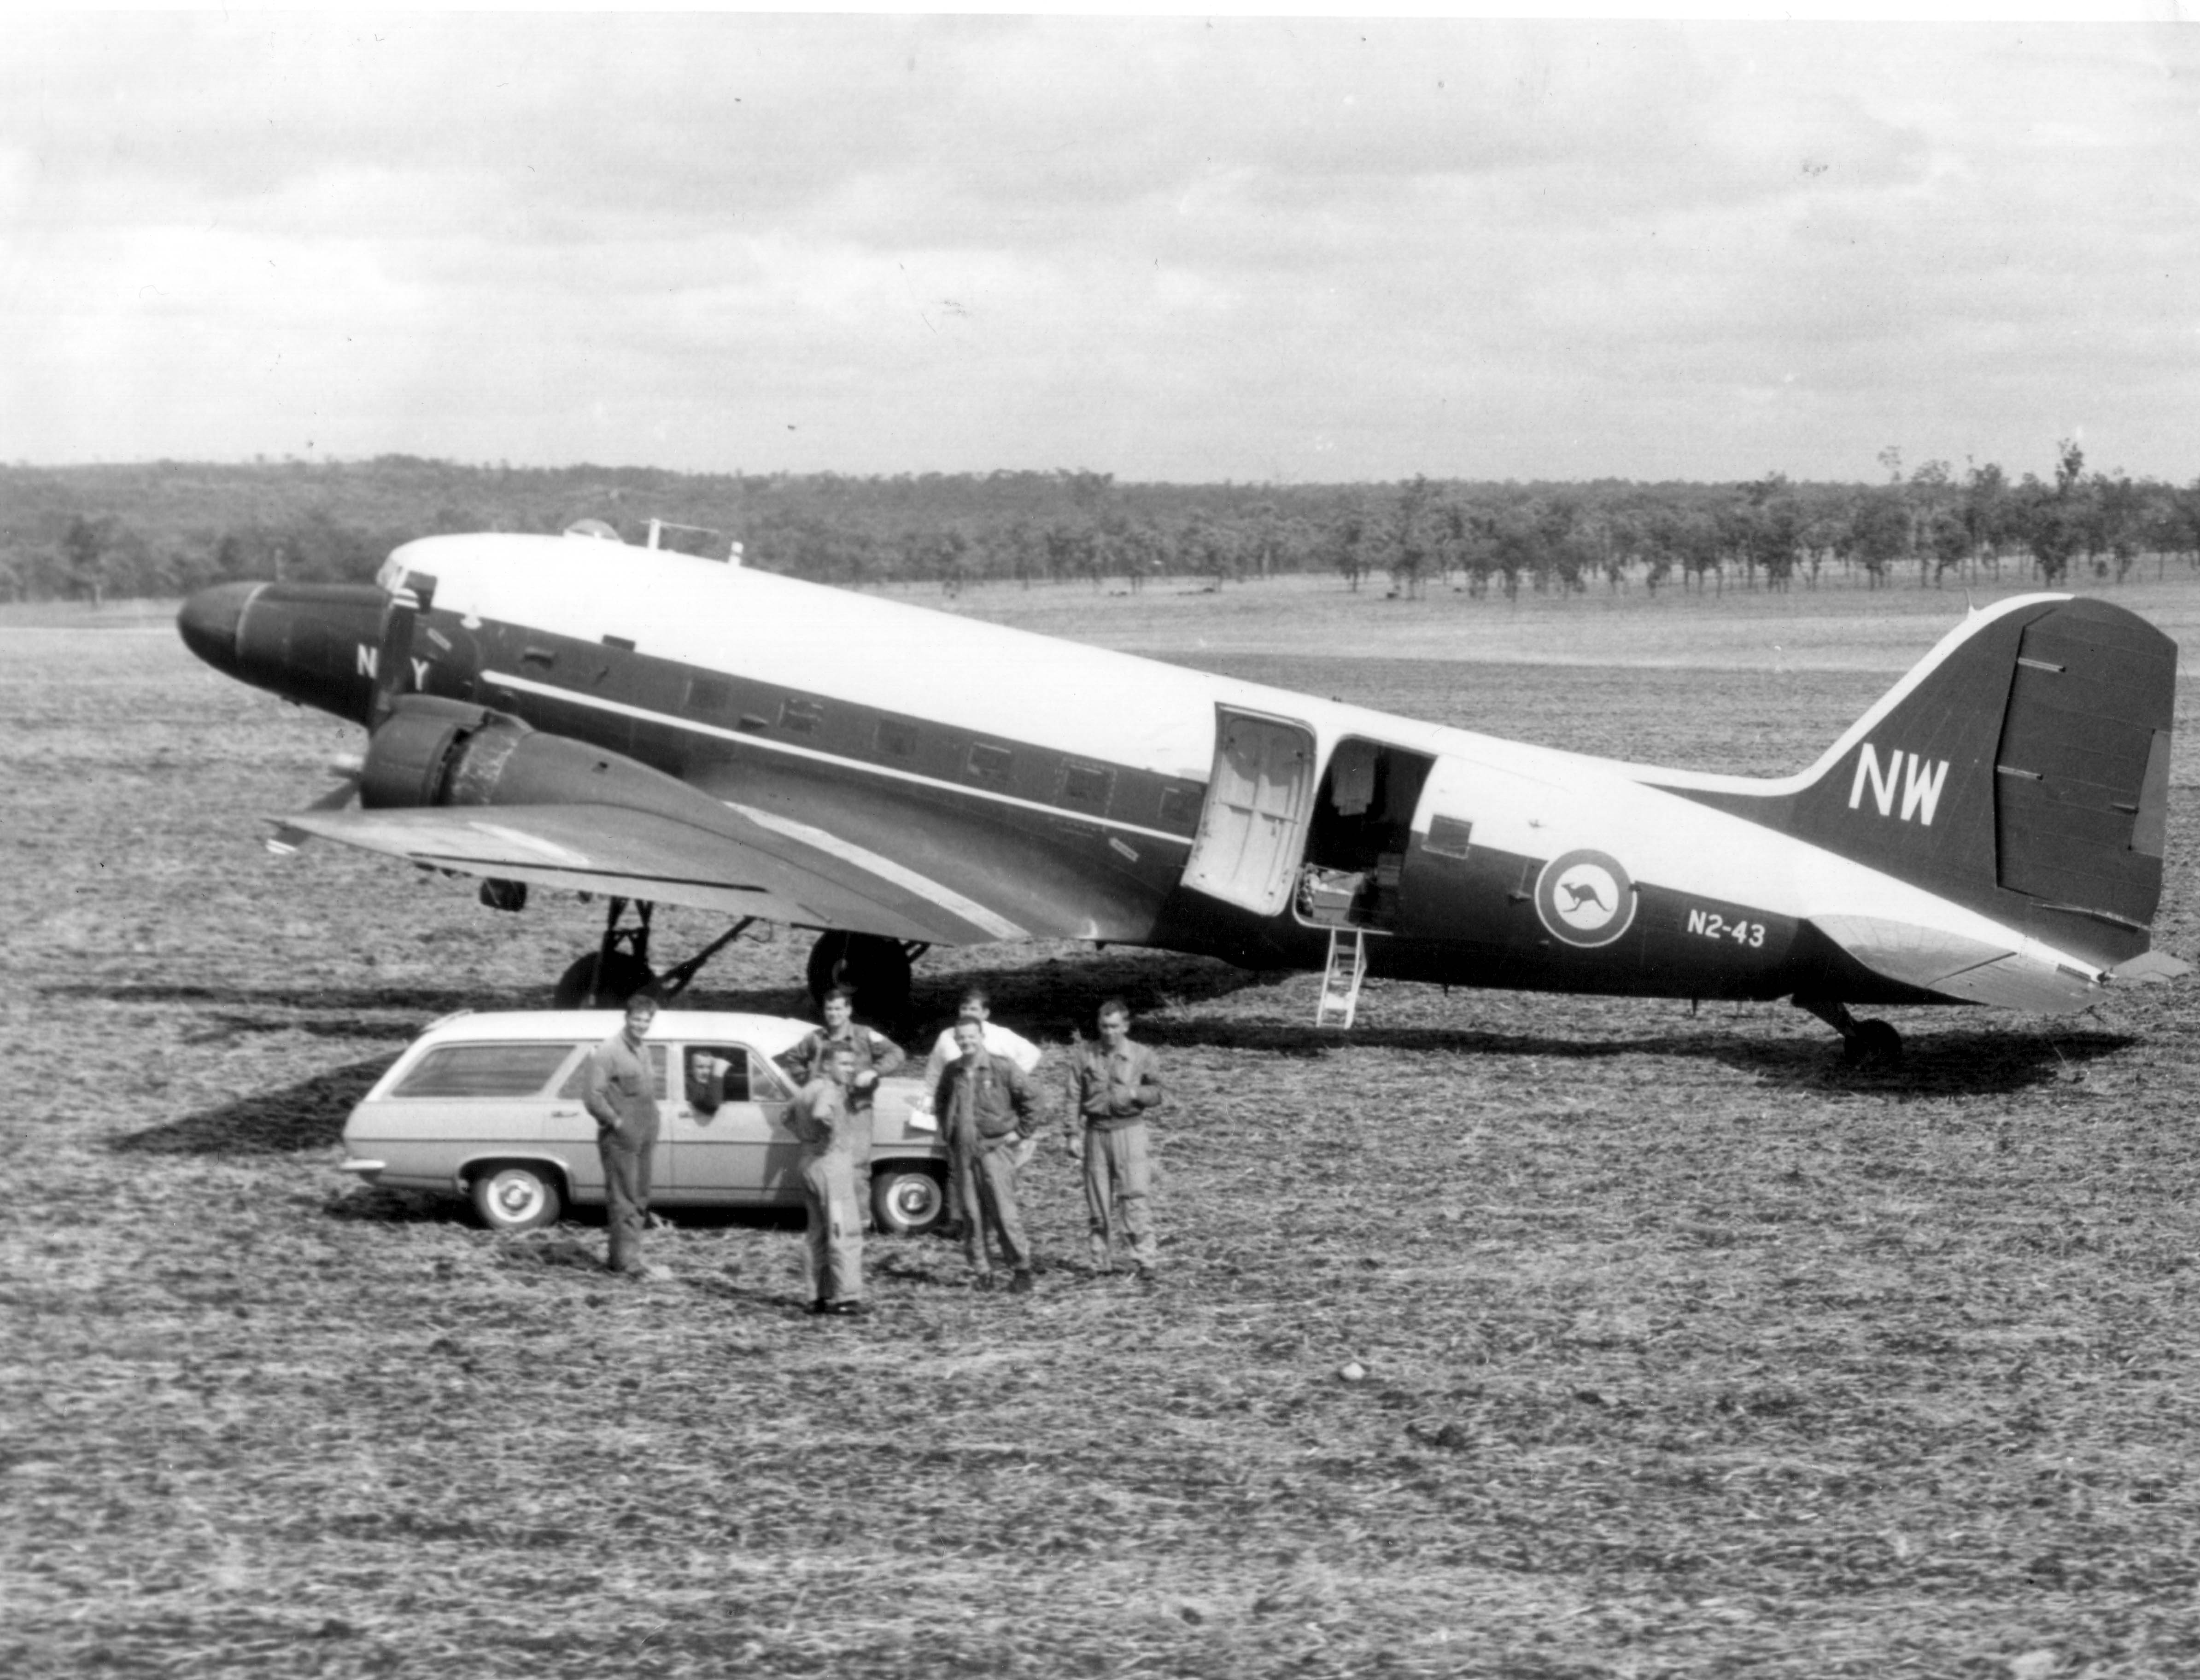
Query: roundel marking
{"x": 1585, "y": 898}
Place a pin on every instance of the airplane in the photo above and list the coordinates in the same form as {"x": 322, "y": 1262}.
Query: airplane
{"x": 575, "y": 712}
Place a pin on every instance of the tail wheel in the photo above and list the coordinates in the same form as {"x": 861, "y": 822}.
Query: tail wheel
{"x": 907, "y": 1200}
{"x": 596, "y": 982}
{"x": 1873, "y": 1044}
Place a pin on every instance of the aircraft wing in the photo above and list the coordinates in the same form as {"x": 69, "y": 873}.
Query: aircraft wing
{"x": 1959, "y": 967}
{"x": 785, "y": 872}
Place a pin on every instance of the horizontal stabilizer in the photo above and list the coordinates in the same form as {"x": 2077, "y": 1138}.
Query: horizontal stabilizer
{"x": 1956, "y": 967}
{"x": 747, "y": 869}
{"x": 2150, "y": 968}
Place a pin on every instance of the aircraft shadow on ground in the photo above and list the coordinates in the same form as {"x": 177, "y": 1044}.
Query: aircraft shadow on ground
{"x": 1966, "y": 1062}
{"x": 308, "y": 1114}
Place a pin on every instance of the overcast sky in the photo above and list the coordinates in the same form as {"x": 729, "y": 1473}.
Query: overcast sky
{"x": 1294, "y": 250}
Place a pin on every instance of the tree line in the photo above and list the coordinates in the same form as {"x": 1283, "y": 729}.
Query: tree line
{"x": 164, "y": 529}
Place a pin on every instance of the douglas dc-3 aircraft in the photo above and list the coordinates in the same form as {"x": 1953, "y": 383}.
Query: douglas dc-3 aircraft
{"x": 575, "y": 712}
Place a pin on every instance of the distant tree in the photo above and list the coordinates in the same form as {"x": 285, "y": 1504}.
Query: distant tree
{"x": 1348, "y": 545}
{"x": 1878, "y": 532}
{"x": 1412, "y": 547}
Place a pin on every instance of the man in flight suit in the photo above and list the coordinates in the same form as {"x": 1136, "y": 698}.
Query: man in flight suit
{"x": 826, "y": 1119}
{"x": 876, "y": 1056}
{"x": 999, "y": 1041}
{"x": 1115, "y": 1084}
{"x": 621, "y": 1095}
{"x": 987, "y": 1108}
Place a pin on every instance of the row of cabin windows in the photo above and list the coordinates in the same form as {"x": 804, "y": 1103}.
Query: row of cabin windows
{"x": 1087, "y": 786}
{"x": 1084, "y": 786}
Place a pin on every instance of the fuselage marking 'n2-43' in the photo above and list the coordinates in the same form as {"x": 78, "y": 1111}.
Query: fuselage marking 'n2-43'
{"x": 1920, "y": 787}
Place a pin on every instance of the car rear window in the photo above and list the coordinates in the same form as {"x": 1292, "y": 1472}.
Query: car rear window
{"x": 483, "y": 1070}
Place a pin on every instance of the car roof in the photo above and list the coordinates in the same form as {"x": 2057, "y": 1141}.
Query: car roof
{"x": 770, "y": 1034}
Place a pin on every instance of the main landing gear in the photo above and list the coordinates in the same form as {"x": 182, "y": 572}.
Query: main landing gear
{"x": 1864, "y": 1043}
{"x": 878, "y": 969}
{"x": 619, "y": 966}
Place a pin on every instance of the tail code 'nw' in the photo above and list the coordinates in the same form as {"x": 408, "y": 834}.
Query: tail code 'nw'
{"x": 2021, "y": 768}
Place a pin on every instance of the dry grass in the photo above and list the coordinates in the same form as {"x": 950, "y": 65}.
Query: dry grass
{"x": 1683, "y": 1352}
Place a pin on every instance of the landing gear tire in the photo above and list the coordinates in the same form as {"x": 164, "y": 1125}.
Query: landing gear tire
{"x": 878, "y": 969}
{"x": 907, "y": 1200}
{"x": 584, "y": 986}
{"x": 1873, "y": 1044}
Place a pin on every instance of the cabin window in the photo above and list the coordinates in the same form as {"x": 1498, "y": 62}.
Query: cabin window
{"x": 1086, "y": 784}
{"x": 1449, "y": 836}
{"x": 543, "y": 657}
{"x": 623, "y": 644}
{"x": 483, "y": 1070}
{"x": 897, "y": 739}
{"x": 1178, "y": 804}
{"x": 802, "y": 717}
{"x": 990, "y": 764}
{"x": 709, "y": 694}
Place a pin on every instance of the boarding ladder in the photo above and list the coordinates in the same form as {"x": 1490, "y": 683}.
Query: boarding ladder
{"x": 1340, "y": 983}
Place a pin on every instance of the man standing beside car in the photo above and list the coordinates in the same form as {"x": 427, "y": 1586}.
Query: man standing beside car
{"x": 999, "y": 1041}
{"x": 986, "y": 1109}
{"x": 1116, "y": 1082}
{"x": 621, "y": 1096}
{"x": 877, "y": 1055}
{"x": 825, "y": 1117}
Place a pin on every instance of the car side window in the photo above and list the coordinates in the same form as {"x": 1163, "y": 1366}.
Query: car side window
{"x": 724, "y": 1073}
{"x": 483, "y": 1070}
{"x": 577, "y": 1082}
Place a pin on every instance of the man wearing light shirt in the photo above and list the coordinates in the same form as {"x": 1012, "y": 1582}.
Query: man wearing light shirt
{"x": 997, "y": 1040}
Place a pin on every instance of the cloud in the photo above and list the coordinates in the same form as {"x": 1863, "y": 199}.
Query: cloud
{"x": 1162, "y": 248}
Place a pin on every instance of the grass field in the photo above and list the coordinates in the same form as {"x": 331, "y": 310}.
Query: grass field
{"x": 1683, "y": 1352}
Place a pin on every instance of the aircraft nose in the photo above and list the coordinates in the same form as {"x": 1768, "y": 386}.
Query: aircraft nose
{"x": 209, "y": 620}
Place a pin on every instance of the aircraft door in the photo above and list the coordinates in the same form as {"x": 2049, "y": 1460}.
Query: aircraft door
{"x": 1253, "y": 827}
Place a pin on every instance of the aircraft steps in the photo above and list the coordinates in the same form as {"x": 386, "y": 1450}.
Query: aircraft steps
{"x": 1340, "y": 981}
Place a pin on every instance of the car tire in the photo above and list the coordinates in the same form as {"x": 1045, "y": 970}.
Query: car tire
{"x": 514, "y": 1196}
{"x": 907, "y": 1201}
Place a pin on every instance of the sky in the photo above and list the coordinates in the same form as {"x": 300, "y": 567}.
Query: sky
{"x": 1287, "y": 249}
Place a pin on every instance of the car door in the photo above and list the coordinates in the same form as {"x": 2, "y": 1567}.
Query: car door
{"x": 731, "y": 1141}
{"x": 573, "y": 1129}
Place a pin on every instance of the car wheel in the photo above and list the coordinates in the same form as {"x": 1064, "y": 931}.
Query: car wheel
{"x": 907, "y": 1200}
{"x": 517, "y": 1197}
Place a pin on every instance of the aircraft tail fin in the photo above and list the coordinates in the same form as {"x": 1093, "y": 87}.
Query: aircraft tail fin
{"x": 2021, "y": 768}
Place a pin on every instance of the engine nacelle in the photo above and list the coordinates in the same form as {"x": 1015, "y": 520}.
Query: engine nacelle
{"x": 434, "y": 751}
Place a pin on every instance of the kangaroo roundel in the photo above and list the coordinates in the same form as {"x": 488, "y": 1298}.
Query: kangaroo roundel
{"x": 1585, "y": 898}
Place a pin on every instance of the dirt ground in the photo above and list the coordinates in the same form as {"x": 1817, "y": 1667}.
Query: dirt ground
{"x": 1504, "y": 1335}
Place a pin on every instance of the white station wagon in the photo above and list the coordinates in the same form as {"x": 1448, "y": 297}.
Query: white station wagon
{"x": 488, "y": 1107}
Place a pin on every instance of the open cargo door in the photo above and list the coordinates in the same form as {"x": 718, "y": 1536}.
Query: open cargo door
{"x": 1252, "y": 830}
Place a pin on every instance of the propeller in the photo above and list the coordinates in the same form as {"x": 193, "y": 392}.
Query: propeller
{"x": 415, "y": 593}
{"x": 347, "y": 768}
